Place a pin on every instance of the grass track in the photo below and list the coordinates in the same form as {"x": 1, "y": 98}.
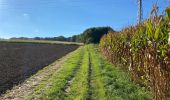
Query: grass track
{"x": 54, "y": 86}
{"x": 92, "y": 78}
{"x": 79, "y": 87}
{"x": 111, "y": 83}
{"x": 98, "y": 89}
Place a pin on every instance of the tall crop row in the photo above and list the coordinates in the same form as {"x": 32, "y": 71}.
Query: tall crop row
{"x": 144, "y": 51}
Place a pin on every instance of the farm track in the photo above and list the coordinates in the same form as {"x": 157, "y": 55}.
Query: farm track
{"x": 71, "y": 79}
{"x": 79, "y": 86}
{"x": 86, "y": 80}
{"x": 91, "y": 82}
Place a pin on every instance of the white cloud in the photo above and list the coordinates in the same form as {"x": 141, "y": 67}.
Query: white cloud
{"x": 26, "y": 16}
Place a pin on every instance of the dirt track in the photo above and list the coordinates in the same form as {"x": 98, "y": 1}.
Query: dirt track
{"x": 20, "y": 60}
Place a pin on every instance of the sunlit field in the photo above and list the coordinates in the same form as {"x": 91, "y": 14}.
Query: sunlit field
{"x": 85, "y": 50}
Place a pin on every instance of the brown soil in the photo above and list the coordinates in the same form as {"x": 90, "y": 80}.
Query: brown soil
{"x": 29, "y": 85}
{"x": 18, "y": 61}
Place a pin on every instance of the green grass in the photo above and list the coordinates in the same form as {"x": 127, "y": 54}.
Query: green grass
{"x": 93, "y": 78}
{"x": 113, "y": 82}
{"x": 79, "y": 87}
{"x": 98, "y": 89}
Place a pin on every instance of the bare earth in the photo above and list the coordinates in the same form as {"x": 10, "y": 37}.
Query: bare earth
{"x": 28, "y": 86}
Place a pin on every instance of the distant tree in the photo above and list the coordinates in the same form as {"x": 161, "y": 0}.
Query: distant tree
{"x": 37, "y": 38}
{"x": 93, "y": 35}
{"x": 60, "y": 38}
{"x": 78, "y": 38}
{"x": 13, "y": 38}
{"x": 73, "y": 38}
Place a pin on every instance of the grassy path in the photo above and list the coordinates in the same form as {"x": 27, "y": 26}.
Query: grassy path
{"x": 98, "y": 89}
{"x": 79, "y": 87}
{"x": 100, "y": 80}
{"x": 111, "y": 83}
{"x": 55, "y": 86}
{"x": 86, "y": 75}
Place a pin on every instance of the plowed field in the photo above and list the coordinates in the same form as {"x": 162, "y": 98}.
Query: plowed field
{"x": 19, "y": 61}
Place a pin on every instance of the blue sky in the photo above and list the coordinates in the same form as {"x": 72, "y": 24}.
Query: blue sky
{"x": 48, "y": 18}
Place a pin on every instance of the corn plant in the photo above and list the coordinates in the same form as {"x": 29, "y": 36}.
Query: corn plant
{"x": 145, "y": 51}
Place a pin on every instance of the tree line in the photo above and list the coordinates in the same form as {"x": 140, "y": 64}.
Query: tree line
{"x": 90, "y": 35}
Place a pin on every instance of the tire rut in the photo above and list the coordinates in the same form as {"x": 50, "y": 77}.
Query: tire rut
{"x": 71, "y": 79}
{"x": 89, "y": 78}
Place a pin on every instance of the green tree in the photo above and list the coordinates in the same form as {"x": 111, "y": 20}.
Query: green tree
{"x": 94, "y": 34}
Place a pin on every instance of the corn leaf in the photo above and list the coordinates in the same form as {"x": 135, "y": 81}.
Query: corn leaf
{"x": 168, "y": 12}
{"x": 157, "y": 33}
{"x": 150, "y": 28}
